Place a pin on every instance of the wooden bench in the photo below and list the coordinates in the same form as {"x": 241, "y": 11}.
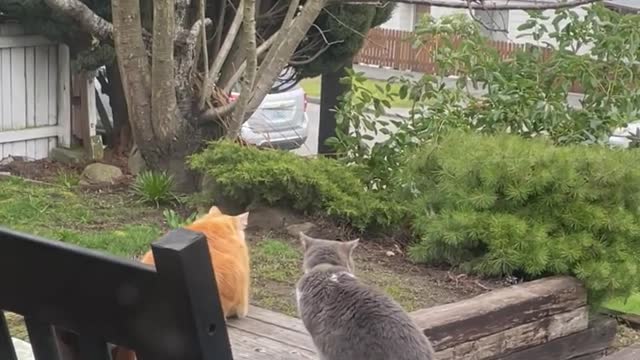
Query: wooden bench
{"x": 172, "y": 313}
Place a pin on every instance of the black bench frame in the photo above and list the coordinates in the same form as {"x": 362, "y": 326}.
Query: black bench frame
{"x": 171, "y": 312}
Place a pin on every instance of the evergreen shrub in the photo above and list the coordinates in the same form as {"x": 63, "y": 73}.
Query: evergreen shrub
{"x": 313, "y": 185}
{"x": 502, "y": 204}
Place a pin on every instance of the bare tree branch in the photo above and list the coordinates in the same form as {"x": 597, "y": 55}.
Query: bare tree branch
{"x": 219, "y": 26}
{"x": 222, "y": 55}
{"x": 217, "y": 113}
{"x": 205, "y": 52}
{"x": 282, "y": 51}
{"x": 249, "y": 29}
{"x": 485, "y": 5}
{"x": 238, "y": 73}
{"x": 164, "y": 106}
{"x": 82, "y": 14}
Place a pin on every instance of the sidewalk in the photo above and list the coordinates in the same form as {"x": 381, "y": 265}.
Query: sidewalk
{"x": 377, "y": 73}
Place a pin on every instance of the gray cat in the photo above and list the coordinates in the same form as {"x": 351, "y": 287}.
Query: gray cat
{"x": 347, "y": 319}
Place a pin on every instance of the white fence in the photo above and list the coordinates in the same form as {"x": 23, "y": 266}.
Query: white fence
{"x": 35, "y": 114}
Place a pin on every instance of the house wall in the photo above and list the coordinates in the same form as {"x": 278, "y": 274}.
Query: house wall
{"x": 403, "y": 18}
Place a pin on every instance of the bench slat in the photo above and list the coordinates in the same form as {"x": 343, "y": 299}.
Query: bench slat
{"x": 43, "y": 340}
{"x": 6, "y": 345}
{"x": 93, "y": 348}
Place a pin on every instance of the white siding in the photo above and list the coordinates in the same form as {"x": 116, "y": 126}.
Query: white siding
{"x": 401, "y": 19}
{"x": 438, "y": 11}
{"x": 34, "y": 96}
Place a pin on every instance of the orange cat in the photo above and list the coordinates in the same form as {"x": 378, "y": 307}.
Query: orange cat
{"x": 230, "y": 257}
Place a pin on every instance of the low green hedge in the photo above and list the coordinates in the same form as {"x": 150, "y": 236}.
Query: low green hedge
{"x": 275, "y": 177}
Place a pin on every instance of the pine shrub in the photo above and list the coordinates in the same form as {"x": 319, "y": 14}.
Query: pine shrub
{"x": 312, "y": 185}
{"x": 501, "y": 204}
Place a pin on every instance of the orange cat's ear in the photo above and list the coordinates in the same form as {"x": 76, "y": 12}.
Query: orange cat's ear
{"x": 243, "y": 220}
{"x": 215, "y": 211}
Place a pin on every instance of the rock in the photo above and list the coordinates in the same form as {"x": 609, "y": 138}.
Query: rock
{"x": 266, "y": 218}
{"x": 210, "y": 195}
{"x": 6, "y": 161}
{"x": 295, "y": 229}
{"x": 136, "y": 163}
{"x": 68, "y": 156}
{"x": 101, "y": 173}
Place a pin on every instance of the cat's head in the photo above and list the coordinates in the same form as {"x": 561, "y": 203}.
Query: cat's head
{"x": 222, "y": 225}
{"x": 331, "y": 252}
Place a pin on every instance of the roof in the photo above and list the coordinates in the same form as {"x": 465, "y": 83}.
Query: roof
{"x": 626, "y": 6}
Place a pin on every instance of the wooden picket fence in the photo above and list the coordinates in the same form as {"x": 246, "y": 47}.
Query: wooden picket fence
{"x": 393, "y": 49}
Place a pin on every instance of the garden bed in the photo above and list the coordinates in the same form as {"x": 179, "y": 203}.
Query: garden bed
{"x": 109, "y": 219}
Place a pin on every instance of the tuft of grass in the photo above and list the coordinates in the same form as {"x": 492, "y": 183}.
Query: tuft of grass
{"x": 67, "y": 179}
{"x": 154, "y": 188}
{"x": 175, "y": 221}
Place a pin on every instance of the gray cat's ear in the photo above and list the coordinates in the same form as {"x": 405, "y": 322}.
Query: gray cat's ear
{"x": 305, "y": 240}
{"x": 351, "y": 245}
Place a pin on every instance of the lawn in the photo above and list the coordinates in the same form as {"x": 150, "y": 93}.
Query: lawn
{"x": 312, "y": 88}
{"x": 113, "y": 222}
{"x": 630, "y": 306}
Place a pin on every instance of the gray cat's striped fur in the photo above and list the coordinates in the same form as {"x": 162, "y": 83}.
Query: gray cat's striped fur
{"x": 347, "y": 319}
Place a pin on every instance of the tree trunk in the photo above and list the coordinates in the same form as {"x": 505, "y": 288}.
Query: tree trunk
{"x": 121, "y": 140}
{"x": 330, "y": 91}
{"x": 249, "y": 41}
{"x": 161, "y": 132}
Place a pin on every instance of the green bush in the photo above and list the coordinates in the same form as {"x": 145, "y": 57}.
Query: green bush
{"x": 502, "y": 205}
{"x": 248, "y": 174}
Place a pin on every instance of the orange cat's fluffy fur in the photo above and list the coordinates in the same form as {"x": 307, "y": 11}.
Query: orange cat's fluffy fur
{"x": 230, "y": 257}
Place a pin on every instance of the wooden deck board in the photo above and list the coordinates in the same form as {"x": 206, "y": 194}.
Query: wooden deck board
{"x": 265, "y": 334}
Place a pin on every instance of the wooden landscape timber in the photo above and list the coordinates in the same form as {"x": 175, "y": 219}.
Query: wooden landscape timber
{"x": 631, "y": 353}
{"x": 546, "y": 318}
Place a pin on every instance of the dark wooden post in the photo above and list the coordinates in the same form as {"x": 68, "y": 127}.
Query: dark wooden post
{"x": 43, "y": 340}
{"x": 185, "y": 273}
{"x": 330, "y": 90}
{"x": 6, "y": 345}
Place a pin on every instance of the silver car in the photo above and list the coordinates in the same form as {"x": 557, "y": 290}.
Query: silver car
{"x": 280, "y": 121}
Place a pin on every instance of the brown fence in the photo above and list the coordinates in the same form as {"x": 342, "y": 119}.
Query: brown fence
{"x": 393, "y": 49}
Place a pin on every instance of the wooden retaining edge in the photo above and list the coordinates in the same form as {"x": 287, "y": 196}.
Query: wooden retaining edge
{"x": 519, "y": 337}
{"x": 493, "y": 313}
{"x": 588, "y": 344}
{"x": 631, "y": 353}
